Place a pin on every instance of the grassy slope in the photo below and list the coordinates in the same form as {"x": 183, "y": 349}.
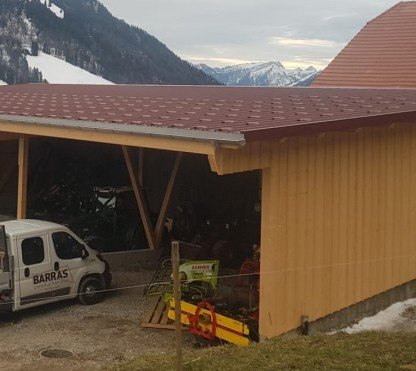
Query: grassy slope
{"x": 363, "y": 351}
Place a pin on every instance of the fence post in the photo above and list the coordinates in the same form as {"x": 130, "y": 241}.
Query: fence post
{"x": 177, "y": 299}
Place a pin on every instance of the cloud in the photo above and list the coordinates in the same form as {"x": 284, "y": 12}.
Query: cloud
{"x": 319, "y": 64}
{"x": 216, "y": 61}
{"x": 302, "y": 42}
{"x": 340, "y": 17}
{"x": 220, "y": 32}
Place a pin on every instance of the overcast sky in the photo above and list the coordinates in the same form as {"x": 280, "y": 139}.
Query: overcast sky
{"x": 298, "y": 33}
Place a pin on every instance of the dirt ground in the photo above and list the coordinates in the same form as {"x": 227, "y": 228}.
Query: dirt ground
{"x": 109, "y": 333}
{"x": 104, "y": 334}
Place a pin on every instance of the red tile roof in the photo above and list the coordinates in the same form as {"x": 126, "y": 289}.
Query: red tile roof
{"x": 199, "y": 112}
{"x": 383, "y": 54}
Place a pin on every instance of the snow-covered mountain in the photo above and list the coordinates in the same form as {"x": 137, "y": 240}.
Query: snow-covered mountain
{"x": 79, "y": 41}
{"x": 260, "y": 74}
{"x": 307, "y": 80}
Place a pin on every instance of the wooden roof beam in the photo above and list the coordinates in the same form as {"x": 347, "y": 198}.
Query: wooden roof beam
{"x": 9, "y": 136}
{"x": 253, "y": 156}
{"x": 109, "y": 137}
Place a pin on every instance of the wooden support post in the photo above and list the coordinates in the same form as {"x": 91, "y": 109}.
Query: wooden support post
{"x": 141, "y": 166}
{"x": 166, "y": 199}
{"x": 177, "y": 299}
{"x": 23, "y": 160}
{"x": 144, "y": 212}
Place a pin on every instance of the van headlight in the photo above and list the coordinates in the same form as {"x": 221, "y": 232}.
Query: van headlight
{"x": 100, "y": 257}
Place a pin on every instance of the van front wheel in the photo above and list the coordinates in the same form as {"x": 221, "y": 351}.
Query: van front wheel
{"x": 89, "y": 291}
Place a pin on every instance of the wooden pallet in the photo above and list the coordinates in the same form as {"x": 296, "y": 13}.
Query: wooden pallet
{"x": 157, "y": 316}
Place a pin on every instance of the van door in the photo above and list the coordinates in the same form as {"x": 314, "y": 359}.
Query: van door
{"x": 66, "y": 253}
{"x": 35, "y": 268}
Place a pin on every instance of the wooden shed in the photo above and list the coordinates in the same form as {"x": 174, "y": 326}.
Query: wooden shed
{"x": 338, "y": 173}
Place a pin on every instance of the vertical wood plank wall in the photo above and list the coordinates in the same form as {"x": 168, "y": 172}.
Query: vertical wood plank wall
{"x": 338, "y": 222}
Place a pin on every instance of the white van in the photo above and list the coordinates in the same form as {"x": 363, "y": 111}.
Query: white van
{"x": 43, "y": 262}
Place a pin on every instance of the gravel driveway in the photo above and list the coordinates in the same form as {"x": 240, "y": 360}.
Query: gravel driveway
{"x": 99, "y": 335}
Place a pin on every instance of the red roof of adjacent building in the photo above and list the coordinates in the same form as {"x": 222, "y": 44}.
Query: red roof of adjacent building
{"x": 382, "y": 54}
{"x": 204, "y": 112}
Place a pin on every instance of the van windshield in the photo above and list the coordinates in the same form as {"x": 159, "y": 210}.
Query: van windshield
{"x": 3, "y": 243}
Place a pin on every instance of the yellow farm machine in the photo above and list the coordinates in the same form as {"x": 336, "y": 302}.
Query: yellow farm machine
{"x": 213, "y": 311}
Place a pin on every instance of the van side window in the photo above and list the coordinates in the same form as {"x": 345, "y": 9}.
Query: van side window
{"x": 66, "y": 246}
{"x": 33, "y": 251}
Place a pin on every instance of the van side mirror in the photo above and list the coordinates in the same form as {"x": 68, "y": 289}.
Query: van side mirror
{"x": 84, "y": 253}
{"x": 11, "y": 263}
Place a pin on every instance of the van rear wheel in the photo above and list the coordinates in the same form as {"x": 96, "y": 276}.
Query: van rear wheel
{"x": 89, "y": 291}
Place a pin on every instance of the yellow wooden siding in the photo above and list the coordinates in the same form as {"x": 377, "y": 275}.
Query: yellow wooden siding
{"x": 338, "y": 222}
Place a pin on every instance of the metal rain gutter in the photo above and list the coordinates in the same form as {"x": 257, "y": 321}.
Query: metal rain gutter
{"x": 220, "y": 138}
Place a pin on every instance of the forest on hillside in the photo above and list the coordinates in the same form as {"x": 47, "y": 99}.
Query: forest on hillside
{"x": 89, "y": 37}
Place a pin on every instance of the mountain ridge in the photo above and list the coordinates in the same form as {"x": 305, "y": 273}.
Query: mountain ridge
{"x": 271, "y": 73}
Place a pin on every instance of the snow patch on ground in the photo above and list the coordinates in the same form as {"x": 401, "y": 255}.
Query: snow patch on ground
{"x": 27, "y": 22}
{"x": 398, "y": 317}
{"x": 53, "y": 8}
{"x": 2, "y": 82}
{"x": 57, "y": 71}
